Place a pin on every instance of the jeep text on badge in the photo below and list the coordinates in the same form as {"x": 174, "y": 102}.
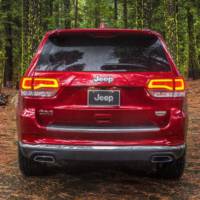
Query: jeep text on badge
{"x": 104, "y": 97}
{"x": 101, "y": 79}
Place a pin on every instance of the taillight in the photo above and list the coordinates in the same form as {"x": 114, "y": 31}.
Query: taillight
{"x": 163, "y": 88}
{"x": 39, "y": 83}
{"x": 26, "y": 83}
{"x": 179, "y": 84}
{"x": 39, "y": 87}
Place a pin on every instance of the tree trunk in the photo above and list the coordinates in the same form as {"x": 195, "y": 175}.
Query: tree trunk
{"x": 8, "y": 70}
{"x": 171, "y": 27}
{"x": 139, "y": 14}
{"x": 76, "y": 14}
{"x": 194, "y": 68}
{"x": 50, "y": 8}
{"x": 24, "y": 36}
{"x": 97, "y": 13}
{"x": 36, "y": 24}
{"x": 67, "y": 14}
{"x": 31, "y": 30}
{"x": 125, "y": 14}
{"x": 147, "y": 13}
{"x": 115, "y": 11}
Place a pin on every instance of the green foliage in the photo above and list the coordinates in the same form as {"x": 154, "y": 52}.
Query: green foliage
{"x": 29, "y": 21}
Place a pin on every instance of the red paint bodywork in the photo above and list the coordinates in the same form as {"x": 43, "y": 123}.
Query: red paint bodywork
{"x": 70, "y": 104}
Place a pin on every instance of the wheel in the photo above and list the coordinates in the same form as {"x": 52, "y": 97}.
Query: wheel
{"x": 29, "y": 167}
{"x": 173, "y": 170}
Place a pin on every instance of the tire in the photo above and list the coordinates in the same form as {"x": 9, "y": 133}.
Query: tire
{"x": 29, "y": 167}
{"x": 173, "y": 170}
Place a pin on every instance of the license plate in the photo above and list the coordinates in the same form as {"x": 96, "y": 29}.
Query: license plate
{"x": 103, "y": 97}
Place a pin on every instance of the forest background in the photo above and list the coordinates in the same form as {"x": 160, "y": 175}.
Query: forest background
{"x": 24, "y": 22}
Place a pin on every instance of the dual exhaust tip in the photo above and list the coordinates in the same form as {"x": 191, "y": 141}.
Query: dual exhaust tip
{"x": 44, "y": 159}
{"x": 162, "y": 159}
{"x": 48, "y": 159}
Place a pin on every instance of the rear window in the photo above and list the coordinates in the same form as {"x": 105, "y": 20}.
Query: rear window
{"x": 76, "y": 53}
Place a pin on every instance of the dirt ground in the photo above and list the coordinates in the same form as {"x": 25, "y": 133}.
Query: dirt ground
{"x": 95, "y": 181}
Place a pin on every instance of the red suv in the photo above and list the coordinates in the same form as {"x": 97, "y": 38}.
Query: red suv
{"x": 102, "y": 95}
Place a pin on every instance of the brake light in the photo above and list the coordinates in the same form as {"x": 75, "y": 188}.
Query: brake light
{"x": 163, "y": 88}
{"x": 161, "y": 84}
{"x": 27, "y": 83}
{"x": 39, "y": 87}
{"x": 39, "y": 83}
{"x": 179, "y": 84}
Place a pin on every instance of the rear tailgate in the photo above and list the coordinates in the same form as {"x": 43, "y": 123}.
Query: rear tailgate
{"x": 101, "y": 66}
{"x": 70, "y": 106}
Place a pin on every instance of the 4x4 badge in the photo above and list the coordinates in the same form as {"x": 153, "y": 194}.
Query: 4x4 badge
{"x": 100, "y": 79}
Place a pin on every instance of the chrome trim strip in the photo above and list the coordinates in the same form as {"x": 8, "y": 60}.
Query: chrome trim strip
{"x": 102, "y": 129}
{"x": 100, "y": 148}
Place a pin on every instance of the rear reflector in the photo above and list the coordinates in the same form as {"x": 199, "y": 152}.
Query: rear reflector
{"x": 166, "y": 88}
{"x": 39, "y": 87}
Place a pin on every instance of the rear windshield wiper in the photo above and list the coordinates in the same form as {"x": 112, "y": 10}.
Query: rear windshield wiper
{"x": 160, "y": 61}
{"x": 124, "y": 67}
{"x": 75, "y": 67}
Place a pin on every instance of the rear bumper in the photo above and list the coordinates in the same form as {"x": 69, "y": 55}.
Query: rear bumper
{"x": 100, "y": 153}
{"x": 32, "y": 132}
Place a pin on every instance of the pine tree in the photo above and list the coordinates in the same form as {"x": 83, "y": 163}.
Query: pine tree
{"x": 8, "y": 69}
{"x": 115, "y": 12}
{"x": 171, "y": 34}
{"x": 76, "y": 13}
{"x": 125, "y": 14}
{"x": 194, "y": 67}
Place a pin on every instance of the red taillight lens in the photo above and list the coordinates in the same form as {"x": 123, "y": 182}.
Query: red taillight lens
{"x": 179, "y": 84}
{"x": 166, "y": 87}
{"x": 26, "y": 83}
{"x": 40, "y": 83}
{"x": 39, "y": 87}
{"x": 166, "y": 84}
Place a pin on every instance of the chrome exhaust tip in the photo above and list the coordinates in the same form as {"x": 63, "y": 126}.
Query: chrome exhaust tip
{"x": 162, "y": 159}
{"x": 44, "y": 159}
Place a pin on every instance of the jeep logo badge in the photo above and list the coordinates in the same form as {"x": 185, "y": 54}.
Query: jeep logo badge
{"x": 100, "y": 79}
